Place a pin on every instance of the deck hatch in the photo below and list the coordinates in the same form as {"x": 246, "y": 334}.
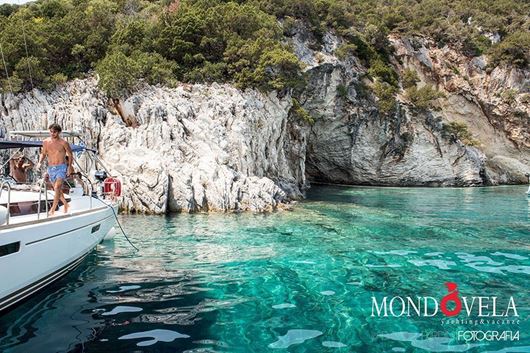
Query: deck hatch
{"x": 9, "y": 248}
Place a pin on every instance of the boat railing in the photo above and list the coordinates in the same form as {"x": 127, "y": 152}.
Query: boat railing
{"x": 91, "y": 194}
{"x": 90, "y": 186}
{"x": 43, "y": 189}
{"x": 8, "y": 186}
{"x": 42, "y": 185}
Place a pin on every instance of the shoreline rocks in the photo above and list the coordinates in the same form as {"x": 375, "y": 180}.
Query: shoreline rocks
{"x": 209, "y": 148}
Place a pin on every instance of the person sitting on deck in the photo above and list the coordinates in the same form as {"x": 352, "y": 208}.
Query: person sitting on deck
{"x": 19, "y": 166}
{"x": 56, "y": 149}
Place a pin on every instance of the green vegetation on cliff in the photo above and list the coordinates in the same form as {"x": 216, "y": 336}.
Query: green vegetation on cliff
{"x": 243, "y": 42}
{"x": 460, "y": 131}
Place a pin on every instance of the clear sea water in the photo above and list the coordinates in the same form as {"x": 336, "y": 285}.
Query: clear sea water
{"x": 293, "y": 281}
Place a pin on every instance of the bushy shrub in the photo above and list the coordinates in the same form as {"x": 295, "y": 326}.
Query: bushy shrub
{"x": 342, "y": 91}
{"x": 460, "y": 131}
{"x": 509, "y": 95}
{"x": 379, "y": 69}
{"x": 409, "y": 78}
{"x": 423, "y": 98}
{"x": 385, "y": 93}
{"x": 346, "y": 50}
{"x": 208, "y": 72}
{"x": 299, "y": 112}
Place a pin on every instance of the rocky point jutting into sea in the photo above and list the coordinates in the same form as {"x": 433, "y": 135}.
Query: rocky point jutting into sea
{"x": 216, "y": 148}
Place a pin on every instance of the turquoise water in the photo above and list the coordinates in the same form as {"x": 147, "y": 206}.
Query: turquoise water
{"x": 295, "y": 281}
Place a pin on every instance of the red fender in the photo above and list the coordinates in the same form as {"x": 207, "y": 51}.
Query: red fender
{"x": 112, "y": 186}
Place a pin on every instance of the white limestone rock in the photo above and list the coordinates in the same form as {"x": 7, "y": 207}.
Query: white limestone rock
{"x": 352, "y": 143}
{"x": 493, "y": 103}
{"x": 196, "y": 148}
{"x": 213, "y": 147}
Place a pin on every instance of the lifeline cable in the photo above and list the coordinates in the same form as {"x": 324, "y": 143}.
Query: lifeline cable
{"x": 27, "y": 56}
{"x": 119, "y": 224}
{"x": 113, "y": 211}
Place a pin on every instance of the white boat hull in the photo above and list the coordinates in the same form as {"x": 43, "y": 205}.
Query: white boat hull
{"x": 47, "y": 249}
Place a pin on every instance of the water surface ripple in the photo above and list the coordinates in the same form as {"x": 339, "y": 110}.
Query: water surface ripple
{"x": 295, "y": 281}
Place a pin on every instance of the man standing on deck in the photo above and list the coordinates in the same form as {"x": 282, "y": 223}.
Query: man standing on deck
{"x": 56, "y": 149}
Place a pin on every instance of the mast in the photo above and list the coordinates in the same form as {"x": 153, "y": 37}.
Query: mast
{"x": 5, "y": 67}
{"x": 27, "y": 55}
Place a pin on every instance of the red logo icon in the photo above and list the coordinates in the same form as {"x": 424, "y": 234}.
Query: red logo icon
{"x": 452, "y": 288}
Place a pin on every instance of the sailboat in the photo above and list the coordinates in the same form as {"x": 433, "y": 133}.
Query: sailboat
{"x": 36, "y": 248}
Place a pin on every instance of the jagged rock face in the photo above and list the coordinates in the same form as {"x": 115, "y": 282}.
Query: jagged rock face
{"x": 492, "y": 103}
{"x": 196, "y": 148}
{"x": 215, "y": 148}
{"x": 352, "y": 143}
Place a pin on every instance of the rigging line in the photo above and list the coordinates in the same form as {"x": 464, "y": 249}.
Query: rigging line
{"x": 27, "y": 55}
{"x": 119, "y": 224}
{"x": 5, "y": 67}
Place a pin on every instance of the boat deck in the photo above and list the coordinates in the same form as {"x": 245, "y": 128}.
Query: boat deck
{"x": 42, "y": 216}
{"x": 77, "y": 207}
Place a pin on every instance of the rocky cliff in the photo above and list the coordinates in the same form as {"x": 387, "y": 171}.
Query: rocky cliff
{"x": 492, "y": 102}
{"x": 193, "y": 148}
{"x": 217, "y": 148}
{"x": 353, "y": 143}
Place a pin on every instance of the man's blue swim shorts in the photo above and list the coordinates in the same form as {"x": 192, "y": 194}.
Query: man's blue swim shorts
{"x": 57, "y": 171}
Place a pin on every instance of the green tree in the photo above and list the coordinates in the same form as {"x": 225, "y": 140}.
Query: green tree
{"x": 262, "y": 63}
{"x": 118, "y": 73}
{"x": 135, "y": 34}
{"x": 7, "y": 9}
{"x": 385, "y": 93}
{"x": 31, "y": 72}
{"x": 208, "y": 72}
{"x": 409, "y": 78}
{"x": 423, "y": 98}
